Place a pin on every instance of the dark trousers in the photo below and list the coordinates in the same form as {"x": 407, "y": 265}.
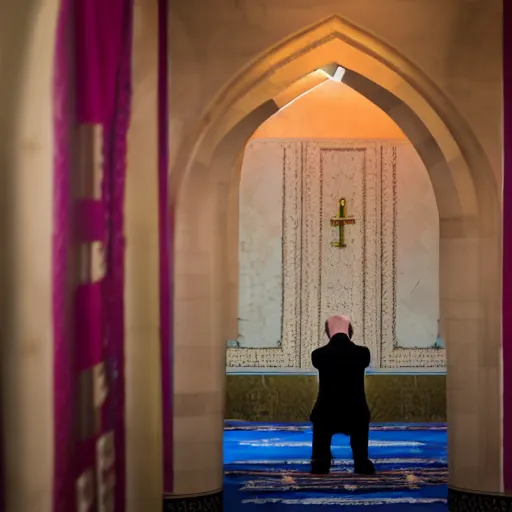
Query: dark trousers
{"x": 322, "y": 455}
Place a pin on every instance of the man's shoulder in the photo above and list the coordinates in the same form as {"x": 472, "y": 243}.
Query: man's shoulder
{"x": 320, "y": 351}
{"x": 362, "y": 349}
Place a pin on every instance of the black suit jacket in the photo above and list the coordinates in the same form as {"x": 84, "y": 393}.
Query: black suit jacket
{"x": 341, "y": 404}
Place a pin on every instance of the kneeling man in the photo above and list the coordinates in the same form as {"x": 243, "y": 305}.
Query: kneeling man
{"x": 341, "y": 406}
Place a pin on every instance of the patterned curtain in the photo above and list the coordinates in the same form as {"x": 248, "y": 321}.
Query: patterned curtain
{"x": 64, "y": 128}
{"x": 115, "y": 133}
{"x": 93, "y": 67}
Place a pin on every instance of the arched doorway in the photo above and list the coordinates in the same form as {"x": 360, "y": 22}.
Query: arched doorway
{"x": 469, "y": 248}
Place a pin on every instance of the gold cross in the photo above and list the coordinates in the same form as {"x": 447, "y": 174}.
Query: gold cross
{"x": 340, "y": 223}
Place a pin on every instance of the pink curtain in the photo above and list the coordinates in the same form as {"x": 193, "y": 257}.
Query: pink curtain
{"x": 64, "y": 126}
{"x": 115, "y": 131}
{"x": 100, "y": 32}
{"x": 99, "y": 72}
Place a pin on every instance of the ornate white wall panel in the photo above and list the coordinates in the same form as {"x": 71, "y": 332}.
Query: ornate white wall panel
{"x": 336, "y": 280}
{"x": 417, "y": 253}
{"x": 287, "y": 353}
{"x": 393, "y": 244}
{"x": 260, "y": 259}
{"x": 394, "y": 355}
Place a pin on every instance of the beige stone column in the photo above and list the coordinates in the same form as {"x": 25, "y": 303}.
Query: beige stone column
{"x": 204, "y": 308}
{"x": 470, "y": 305}
{"x": 199, "y": 344}
{"x": 142, "y": 337}
{"x": 27, "y": 37}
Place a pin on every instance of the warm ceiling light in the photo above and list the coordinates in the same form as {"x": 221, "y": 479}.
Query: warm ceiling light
{"x": 333, "y": 73}
{"x": 338, "y": 75}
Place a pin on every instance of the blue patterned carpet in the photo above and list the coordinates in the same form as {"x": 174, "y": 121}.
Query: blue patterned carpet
{"x": 266, "y": 468}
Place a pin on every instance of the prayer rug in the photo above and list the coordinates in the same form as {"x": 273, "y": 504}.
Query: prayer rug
{"x": 267, "y": 468}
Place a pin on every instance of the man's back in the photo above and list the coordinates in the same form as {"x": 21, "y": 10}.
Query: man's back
{"x": 341, "y": 403}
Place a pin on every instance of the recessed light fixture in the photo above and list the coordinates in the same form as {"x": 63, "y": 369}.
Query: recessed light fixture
{"x": 336, "y": 74}
{"x": 339, "y": 74}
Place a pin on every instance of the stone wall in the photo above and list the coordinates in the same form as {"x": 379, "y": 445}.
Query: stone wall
{"x": 289, "y": 398}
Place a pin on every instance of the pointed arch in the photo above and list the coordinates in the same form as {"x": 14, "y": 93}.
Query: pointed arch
{"x": 205, "y": 174}
{"x": 335, "y": 40}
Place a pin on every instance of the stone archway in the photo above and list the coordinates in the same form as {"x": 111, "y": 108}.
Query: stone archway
{"x": 470, "y": 258}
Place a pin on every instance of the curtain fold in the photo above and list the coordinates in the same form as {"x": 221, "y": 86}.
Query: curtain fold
{"x": 92, "y": 86}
